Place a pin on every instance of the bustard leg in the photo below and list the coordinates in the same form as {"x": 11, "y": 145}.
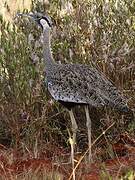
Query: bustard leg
{"x": 88, "y": 124}
{"x": 74, "y": 125}
{"x": 74, "y": 130}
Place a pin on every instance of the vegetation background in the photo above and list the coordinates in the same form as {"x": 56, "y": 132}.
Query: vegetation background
{"x": 99, "y": 33}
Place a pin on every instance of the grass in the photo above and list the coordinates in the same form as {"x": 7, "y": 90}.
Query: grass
{"x": 94, "y": 32}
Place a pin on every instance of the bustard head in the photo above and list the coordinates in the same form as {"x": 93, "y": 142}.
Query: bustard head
{"x": 43, "y": 21}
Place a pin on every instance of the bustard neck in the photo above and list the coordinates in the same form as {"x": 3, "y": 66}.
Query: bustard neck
{"x": 48, "y": 58}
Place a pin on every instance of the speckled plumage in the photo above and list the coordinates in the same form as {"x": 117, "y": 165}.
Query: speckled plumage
{"x": 83, "y": 85}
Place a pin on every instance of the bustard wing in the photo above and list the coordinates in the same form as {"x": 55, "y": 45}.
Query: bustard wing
{"x": 82, "y": 84}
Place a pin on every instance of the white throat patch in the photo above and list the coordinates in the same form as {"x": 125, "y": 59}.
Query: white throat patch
{"x": 44, "y": 24}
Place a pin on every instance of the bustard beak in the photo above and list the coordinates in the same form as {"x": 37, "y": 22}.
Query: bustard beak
{"x": 29, "y": 15}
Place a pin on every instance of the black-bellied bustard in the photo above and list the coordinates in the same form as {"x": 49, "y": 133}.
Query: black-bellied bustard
{"x": 74, "y": 84}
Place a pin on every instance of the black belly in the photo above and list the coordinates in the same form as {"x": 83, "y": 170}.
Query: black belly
{"x": 70, "y": 105}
